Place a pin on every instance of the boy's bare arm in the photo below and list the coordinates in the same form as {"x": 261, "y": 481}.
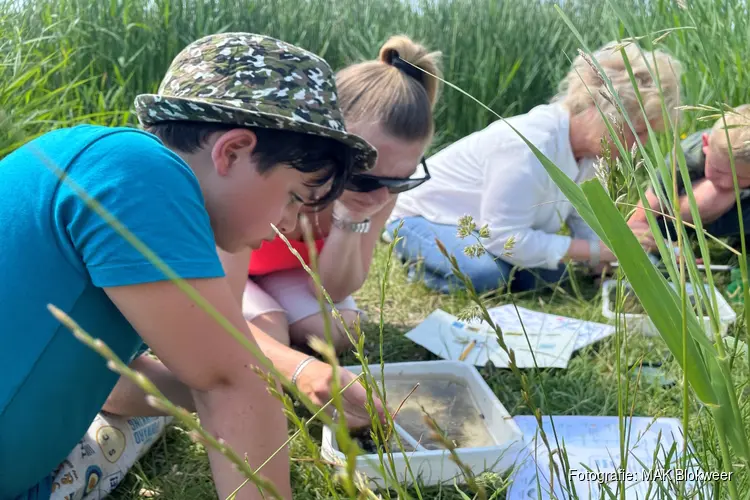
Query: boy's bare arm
{"x": 128, "y": 400}
{"x": 231, "y": 400}
{"x": 639, "y": 215}
{"x": 711, "y": 202}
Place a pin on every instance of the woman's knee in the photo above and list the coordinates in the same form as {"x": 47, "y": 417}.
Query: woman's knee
{"x": 314, "y": 326}
{"x": 273, "y": 324}
{"x": 418, "y": 244}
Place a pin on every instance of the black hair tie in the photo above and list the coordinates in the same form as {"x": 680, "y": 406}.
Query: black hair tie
{"x": 405, "y": 67}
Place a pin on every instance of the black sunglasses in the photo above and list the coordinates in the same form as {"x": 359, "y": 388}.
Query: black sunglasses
{"x": 364, "y": 183}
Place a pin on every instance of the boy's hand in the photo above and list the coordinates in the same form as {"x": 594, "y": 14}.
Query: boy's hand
{"x": 315, "y": 381}
{"x": 643, "y": 233}
{"x": 357, "y": 207}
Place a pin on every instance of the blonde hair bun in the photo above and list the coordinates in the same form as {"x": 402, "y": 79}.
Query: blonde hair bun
{"x": 415, "y": 54}
{"x": 398, "y": 93}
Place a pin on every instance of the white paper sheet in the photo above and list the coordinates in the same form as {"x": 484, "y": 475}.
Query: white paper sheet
{"x": 445, "y": 336}
{"x": 586, "y": 332}
{"x": 593, "y": 443}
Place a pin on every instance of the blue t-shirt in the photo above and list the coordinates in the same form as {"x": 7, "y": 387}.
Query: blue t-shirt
{"x": 56, "y": 250}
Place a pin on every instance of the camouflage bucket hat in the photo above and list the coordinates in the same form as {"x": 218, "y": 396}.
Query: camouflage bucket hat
{"x": 252, "y": 80}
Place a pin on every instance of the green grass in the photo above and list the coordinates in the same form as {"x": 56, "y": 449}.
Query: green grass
{"x": 178, "y": 468}
{"x": 510, "y": 55}
{"x": 72, "y": 61}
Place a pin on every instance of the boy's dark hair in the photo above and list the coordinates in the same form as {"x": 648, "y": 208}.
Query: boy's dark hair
{"x": 307, "y": 153}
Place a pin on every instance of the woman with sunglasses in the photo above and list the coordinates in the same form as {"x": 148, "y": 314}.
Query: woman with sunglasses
{"x": 388, "y": 102}
{"x": 494, "y": 177}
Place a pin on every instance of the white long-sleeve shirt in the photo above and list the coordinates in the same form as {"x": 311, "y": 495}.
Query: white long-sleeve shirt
{"x": 493, "y": 176}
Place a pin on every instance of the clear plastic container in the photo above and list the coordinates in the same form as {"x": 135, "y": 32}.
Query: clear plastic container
{"x": 462, "y": 405}
{"x": 641, "y": 323}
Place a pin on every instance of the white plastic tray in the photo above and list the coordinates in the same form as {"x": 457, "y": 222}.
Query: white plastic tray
{"x": 642, "y": 323}
{"x": 433, "y": 467}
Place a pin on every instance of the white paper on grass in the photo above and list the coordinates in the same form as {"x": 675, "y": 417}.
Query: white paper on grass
{"x": 442, "y": 334}
{"x": 586, "y": 332}
{"x": 593, "y": 443}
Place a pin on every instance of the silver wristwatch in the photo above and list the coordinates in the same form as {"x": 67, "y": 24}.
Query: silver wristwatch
{"x": 353, "y": 227}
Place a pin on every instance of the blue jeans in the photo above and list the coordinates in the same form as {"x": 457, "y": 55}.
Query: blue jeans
{"x": 486, "y": 273}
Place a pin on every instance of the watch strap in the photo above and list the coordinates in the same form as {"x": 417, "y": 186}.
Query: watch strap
{"x": 353, "y": 227}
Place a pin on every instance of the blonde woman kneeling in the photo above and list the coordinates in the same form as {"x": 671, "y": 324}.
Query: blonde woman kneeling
{"x": 494, "y": 176}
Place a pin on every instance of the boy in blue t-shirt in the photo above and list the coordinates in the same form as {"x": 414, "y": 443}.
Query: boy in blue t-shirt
{"x": 244, "y": 130}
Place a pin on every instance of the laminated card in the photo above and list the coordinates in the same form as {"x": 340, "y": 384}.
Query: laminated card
{"x": 445, "y": 336}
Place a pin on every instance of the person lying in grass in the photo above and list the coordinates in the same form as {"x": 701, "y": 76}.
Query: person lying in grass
{"x": 245, "y": 130}
{"x": 389, "y": 103}
{"x": 707, "y": 158}
{"x": 494, "y": 177}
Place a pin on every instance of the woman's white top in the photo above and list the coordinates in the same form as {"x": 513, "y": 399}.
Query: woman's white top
{"x": 493, "y": 176}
